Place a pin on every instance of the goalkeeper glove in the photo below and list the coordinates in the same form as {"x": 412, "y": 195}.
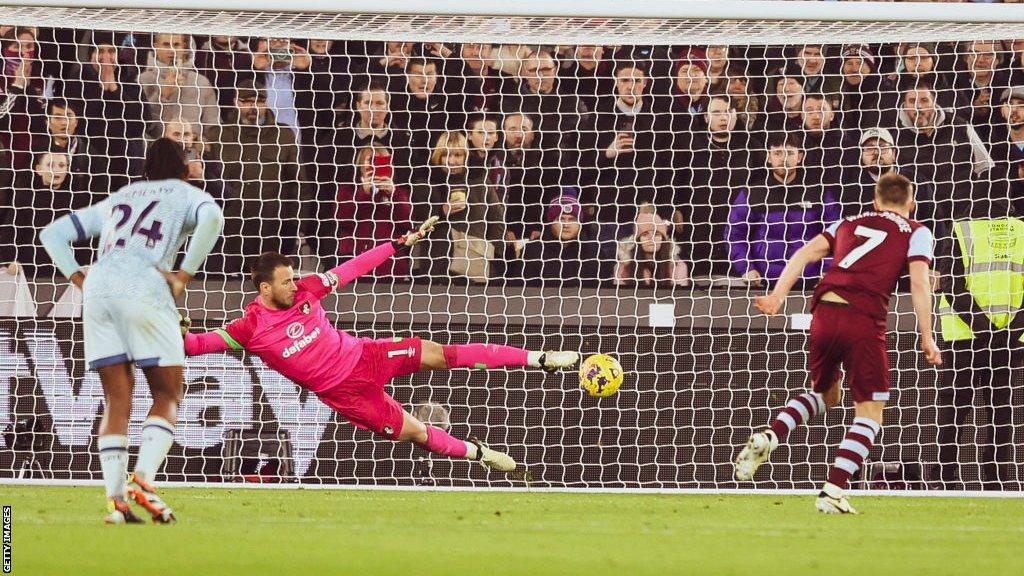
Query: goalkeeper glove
{"x": 410, "y": 239}
{"x": 185, "y": 323}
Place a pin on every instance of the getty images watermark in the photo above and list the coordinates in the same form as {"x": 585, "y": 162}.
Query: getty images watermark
{"x": 7, "y": 539}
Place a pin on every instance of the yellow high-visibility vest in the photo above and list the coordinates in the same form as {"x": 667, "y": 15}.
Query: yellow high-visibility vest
{"x": 993, "y": 258}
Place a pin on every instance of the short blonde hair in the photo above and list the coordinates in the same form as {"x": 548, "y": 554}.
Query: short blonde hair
{"x": 447, "y": 142}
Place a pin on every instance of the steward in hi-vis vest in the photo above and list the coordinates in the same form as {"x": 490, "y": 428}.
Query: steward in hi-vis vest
{"x": 982, "y": 288}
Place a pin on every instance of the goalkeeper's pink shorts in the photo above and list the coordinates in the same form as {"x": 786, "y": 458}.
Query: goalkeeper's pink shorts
{"x": 361, "y": 397}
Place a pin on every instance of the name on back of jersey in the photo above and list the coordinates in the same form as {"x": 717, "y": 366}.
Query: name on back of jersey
{"x": 896, "y": 219}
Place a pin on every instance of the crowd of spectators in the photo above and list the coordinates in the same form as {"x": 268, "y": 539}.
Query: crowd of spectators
{"x": 620, "y": 165}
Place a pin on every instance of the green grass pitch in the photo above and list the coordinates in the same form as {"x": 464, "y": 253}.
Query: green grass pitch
{"x": 58, "y": 530}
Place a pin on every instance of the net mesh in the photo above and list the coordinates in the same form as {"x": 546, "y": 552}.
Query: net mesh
{"x": 605, "y": 188}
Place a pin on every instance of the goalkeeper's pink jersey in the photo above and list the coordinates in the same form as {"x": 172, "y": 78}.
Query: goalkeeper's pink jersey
{"x": 299, "y": 343}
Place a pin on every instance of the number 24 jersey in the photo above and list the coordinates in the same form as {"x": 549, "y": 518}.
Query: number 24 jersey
{"x": 142, "y": 227}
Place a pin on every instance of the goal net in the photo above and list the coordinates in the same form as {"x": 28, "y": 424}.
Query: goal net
{"x": 609, "y": 181}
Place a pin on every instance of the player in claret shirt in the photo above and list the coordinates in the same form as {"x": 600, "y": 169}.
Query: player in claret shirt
{"x": 870, "y": 253}
{"x": 287, "y": 328}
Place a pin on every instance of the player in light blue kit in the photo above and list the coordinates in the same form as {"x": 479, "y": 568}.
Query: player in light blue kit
{"x": 129, "y": 312}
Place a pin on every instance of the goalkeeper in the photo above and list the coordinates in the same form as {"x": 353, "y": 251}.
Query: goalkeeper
{"x": 287, "y": 328}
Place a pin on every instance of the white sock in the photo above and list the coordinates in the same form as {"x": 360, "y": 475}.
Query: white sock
{"x": 533, "y": 359}
{"x": 114, "y": 463}
{"x": 157, "y": 437}
{"x": 472, "y": 452}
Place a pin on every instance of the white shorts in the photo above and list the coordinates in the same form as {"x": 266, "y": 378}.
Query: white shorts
{"x": 124, "y": 330}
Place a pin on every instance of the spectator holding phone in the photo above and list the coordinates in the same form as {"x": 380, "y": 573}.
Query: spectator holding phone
{"x": 373, "y": 209}
{"x": 468, "y": 238}
{"x": 174, "y": 88}
{"x": 631, "y": 158}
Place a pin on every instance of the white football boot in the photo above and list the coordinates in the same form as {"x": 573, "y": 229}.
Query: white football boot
{"x": 831, "y": 500}
{"x": 759, "y": 446}
{"x": 552, "y": 361}
{"x": 492, "y": 458}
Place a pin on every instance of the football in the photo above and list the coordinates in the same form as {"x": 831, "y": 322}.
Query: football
{"x": 601, "y": 375}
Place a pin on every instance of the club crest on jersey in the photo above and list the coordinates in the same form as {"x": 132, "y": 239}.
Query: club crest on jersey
{"x": 295, "y": 330}
{"x": 305, "y": 308}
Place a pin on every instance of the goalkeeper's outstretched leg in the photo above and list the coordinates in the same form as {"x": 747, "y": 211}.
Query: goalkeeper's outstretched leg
{"x": 439, "y": 442}
{"x": 489, "y": 356}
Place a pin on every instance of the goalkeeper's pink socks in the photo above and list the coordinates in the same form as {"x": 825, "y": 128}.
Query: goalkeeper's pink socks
{"x": 484, "y": 356}
{"x": 444, "y": 444}
{"x": 800, "y": 410}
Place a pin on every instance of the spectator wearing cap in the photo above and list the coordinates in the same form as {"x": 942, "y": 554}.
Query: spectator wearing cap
{"x": 979, "y": 81}
{"x": 940, "y": 149}
{"x": 630, "y": 157}
{"x": 649, "y": 257}
{"x": 861, "y": 88}
{"x": 174, "y": 88}
{"x": 566, "y": 254}
{"x": 876, "y": 156}
{"x": 690, "y": 94}
{"x": 771, "y": 219}
{"x": 113, "y": 112}
{"x": 261, "y": 162}
{"x": 1008, "y": 144}
{"x": 706, "y": 178}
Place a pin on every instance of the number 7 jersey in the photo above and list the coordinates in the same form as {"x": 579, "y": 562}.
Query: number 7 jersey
{"x": 870, "y": 253}
{"x": 142, "y": 227}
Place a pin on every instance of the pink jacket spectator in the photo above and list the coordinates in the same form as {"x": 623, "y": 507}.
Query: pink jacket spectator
{"x": 368, "y": 217}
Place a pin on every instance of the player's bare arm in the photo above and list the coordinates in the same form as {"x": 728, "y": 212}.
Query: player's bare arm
{"x": 921, "y": 296}
{"x": 810, "y": 253}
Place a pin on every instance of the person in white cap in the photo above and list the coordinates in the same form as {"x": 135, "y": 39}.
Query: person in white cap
{"x": 876, "y": 156}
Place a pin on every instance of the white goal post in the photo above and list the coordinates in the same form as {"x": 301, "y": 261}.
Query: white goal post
{"x": 704, "y": 369}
